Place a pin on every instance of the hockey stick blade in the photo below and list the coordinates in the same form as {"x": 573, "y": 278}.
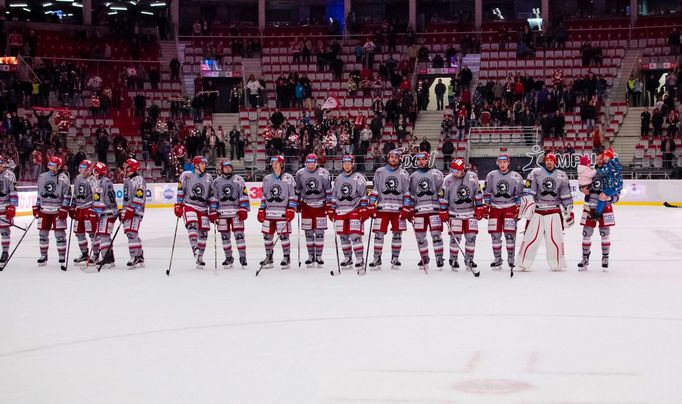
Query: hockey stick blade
{"x": 670, "y": 205}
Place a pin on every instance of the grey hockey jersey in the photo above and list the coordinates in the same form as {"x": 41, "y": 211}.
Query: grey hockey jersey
{"x": 229, "y": 195}
{"x": 425, "y": 185}
{"x": 349, "y": 192}
{"x": 391, "y": 189}
{"x": 83, "y": 190}
{"x": 550, "y": 189}
{"x": 8, "y": 189}
{"x": 503, "y": 190}
{"x": 194, "y": 190}
{"x": 134, "y": 193}
{"x": 279, "y": 193}
{"x": 460, "y": 196}
{"x": 314, "y": 188}
{"x": 54, "y": 191}
{"x": 104, "y": 198}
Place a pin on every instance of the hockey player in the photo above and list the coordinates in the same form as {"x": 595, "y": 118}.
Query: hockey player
{"x": 461, "y": 204}
{"x": 425, "y": 187}
{"x": 348, "y": 211}
{"x": 132, "y": 211}
{"x": 502, "y": 195}
{"x": 81, "y": 212}
{"x": 277, "y": 210}
{"x": 314, "y": 189}
{"x": 194, "y": 191}
{"x": 389, "y": 203}
{"x": 104, "y": 205}
{"x": 594, "y": 193}
{"x": 550, "y": 189}
{"x": 9, "y": 200}
{"x": 52, "y": 208}
{"x": 229, "y": 208}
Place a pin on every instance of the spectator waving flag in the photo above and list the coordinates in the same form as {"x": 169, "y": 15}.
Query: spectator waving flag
{"x": 331, "y": 103}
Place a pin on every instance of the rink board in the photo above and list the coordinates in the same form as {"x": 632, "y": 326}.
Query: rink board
{"x": 635, "y": 192}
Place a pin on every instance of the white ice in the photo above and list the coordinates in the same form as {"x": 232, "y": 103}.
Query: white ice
{"x": 302, "y": 336}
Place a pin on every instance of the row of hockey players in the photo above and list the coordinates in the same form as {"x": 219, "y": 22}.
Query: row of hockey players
{"x": 91, "y": 205}
{"x": 426, "y": 198}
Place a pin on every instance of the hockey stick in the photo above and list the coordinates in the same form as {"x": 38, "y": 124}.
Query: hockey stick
{"x": 110, "y": 249}
{"x": 266, "y": 254}
{"x": 68, "y": 248}
{"x": 336, "y": 249}
{"x": 22, "y": 229}
{"x": 669, "y": 205}
{"x": 298, "y": 241}
{"x": 175, "y": 235}
{"x": 476, "y": 274}
{"x": 369, "y": 241}
{"x": 3, "y": 265}
{"x": 215, "y": 250}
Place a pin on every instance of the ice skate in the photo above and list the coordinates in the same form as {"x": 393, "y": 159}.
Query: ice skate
{"x": 285, "y": 262}
{"x": 470, "y": 266}
{"x": 423, "y": 265}
{"x": 497, "y": 264}
{"x": 345, "y": 264}
{"x": 4, "y": 257}
{"x": 376, "y": 264}
{"x": 42, "y": 261}
{"x": 106, "y": 262}
{"x": 242, "y": 262}
{"x": 360, "y": 266}
{"x": 267, "y": 262}
{"x": 309, "y": 262}
{"x": 395, "y": 263}
{"x": 454, "y": 264}
{"x": 227, "y": 264}
{"x": 605, "y": 262}
{"x": 200, "y": 262}
{"x": 82, "y": 260}
{"x": 135, "y": 262}
{"x": 93, "y": 258}
{"x": 584, "y": 263}
{"x": 319, "y": 261}
{"x": 440, "y": 263}
{"x": 62, "y": 259}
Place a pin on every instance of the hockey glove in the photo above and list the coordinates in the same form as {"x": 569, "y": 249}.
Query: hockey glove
{"x": 486, "y": 211}
{"x": 72, "y": 213}
{"x": 406, "y": 213}
{"x": 36, "y": 211}
{"x": 569, "y": 220}
{"x": 128, "y": 214}
{"x": 11, "y": 212}
{"x": 479, "y": 212}
{"x": 371, "y": 211}
{"x": 515, "y": 211}
{"x": 177, "y": 209}
{"x": 290, "y": 214}
{"x": 213, "y": 217}
{"x": 261, "y": 215}
{"x": 62, "y": 213}
{"x": 242, "y": 214}
{"x": 444, "y": 216}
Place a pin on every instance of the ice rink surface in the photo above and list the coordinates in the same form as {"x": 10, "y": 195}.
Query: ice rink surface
{"x": 302, "y": 336}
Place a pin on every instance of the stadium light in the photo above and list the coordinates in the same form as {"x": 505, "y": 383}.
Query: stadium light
{"x": 118, "y": 8}
{"x": 77, "y": 4}
{"x": 47, "y": 4}
{"x": 18, "y": 5}
{"x": 157, "y": 4}
{"x": 146, "y": 12}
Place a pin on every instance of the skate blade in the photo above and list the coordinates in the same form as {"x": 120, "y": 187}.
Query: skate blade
{"x": 395, "y": 267}
{"x": 42, "y": 264}
{"x": 375, "y": 268}
{"x": 230, "y": 266}
{"x": 285, "y": 267}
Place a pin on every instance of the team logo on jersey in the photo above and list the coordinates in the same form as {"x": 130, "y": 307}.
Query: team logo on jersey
{"x": 549, "y": 187}
{"x": 597, "y": 183}
{"x": 228, "y": 194}
{"x": 81, "y": 191}
{"x": 424, "y": 186}
{"x": 311, "y": 184}
{"x": 139, "y": 193}
{"x": 462, "y": 195}
{"x": 49, "y": 188}
{"x": 346, "y": 190}
{"x": 502, "y": 190}
{"x": 198, "y": 193}
{"x": 275, "y": 194}
{"x": 125, "y": 193}
{"x": 391, "y": 185}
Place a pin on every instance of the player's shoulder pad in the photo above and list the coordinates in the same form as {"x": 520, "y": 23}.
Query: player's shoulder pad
{"x": 516, "y": 175}
{"x": 561, "y": 175}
